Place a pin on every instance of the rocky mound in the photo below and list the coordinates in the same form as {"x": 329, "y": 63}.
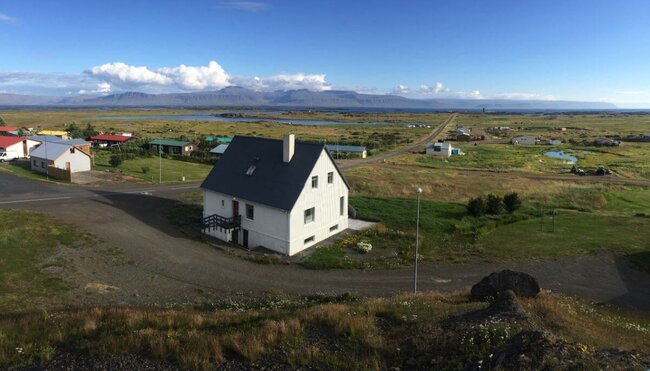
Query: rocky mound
{"x": 522, "y": 284}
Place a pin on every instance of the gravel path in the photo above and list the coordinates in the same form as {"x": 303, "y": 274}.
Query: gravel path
{"x": 164, "y": 266}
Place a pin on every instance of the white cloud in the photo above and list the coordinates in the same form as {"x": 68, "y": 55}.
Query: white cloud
{"x": 190, "y": 78}
{"x": 436, "y": 89}
{"x": 102, "y": 88}
{"x": 401, "y": 90}
{"x": 7, "y": 19}
{"x": 313, "y": 82}
{"x": 248, "y": 6}
{"x": 185, "y": 77}
{"x": 121, "y": 73}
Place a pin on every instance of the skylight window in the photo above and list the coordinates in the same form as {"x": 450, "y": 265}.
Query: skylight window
{"x": 250, "y": 170}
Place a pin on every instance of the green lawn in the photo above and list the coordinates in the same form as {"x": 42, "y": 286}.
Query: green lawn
{"x": 575, "y": 233}
{"x": 28, "y": 243}
{"x": 172, "y": 170}
{"x": 23, "y": 169}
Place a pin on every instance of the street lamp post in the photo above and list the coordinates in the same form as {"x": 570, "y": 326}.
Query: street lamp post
{"x": 159, "y": 164}
{"x": 418, "y": 191}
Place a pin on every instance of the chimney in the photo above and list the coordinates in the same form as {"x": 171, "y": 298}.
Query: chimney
{"x": 288, "y": 147}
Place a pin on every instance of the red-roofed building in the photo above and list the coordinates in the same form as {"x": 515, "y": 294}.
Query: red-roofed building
{"x": 16, "y": 147}
{"x": 9, "y": 130}
{"x": 106, "y": 140}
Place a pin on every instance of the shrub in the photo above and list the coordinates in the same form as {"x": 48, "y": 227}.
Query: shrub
{"x": 145, "y": 169}
{"x": 476, "y": 206}
{"x": 115, "y": 160}
{"x": 364, "y": 247}
{"x": 511, "y": 202}
{"x": 494, "y": 204}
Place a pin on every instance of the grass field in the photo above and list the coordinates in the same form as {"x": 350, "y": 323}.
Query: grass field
{"x": 30, "y": 242}
{"x": 172, "y": 170}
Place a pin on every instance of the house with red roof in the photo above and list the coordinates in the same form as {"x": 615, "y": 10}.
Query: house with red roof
{"x": 108, "y": 140}
{"x": 9, "y": 130}
{"x": 16, "y": 147}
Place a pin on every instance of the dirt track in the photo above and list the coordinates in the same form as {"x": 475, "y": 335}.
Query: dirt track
{"x": 163, "y": 266}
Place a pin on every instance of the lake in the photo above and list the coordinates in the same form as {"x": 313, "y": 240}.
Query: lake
{"x": 562, "y": 156}
{"x": 211, "y": 117}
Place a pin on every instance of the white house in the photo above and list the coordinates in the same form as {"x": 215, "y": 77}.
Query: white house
{"x": 646, "y": 135}
{"x": 17, "y": 147}
{"x": 61, "y": 156}
{"x": 280, "y": 194}
{"x": 524, "y": 140}
{"x": 554, "y": 141}
{"x": 439, "y": 149}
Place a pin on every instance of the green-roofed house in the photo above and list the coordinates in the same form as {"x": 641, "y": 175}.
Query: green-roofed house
{"x": 220, "y": 140}
{"x": 174, "y": 147}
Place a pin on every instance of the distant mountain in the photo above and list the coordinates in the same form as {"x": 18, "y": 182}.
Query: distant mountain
{"x": 242, "y": 97}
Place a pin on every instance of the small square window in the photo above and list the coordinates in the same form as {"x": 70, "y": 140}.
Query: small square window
{"x": 330, "y": 177}
{"x": 310, "y": 215}
{"x": 314, "y": 181}
{"x": 250, "y": 212}
{"x": 309, "y": 240}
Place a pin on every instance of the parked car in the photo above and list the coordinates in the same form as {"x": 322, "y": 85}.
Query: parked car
{"x": 8, "y": 156}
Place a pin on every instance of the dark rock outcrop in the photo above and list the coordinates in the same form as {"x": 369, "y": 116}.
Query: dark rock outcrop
{"x": 522, "y": 284}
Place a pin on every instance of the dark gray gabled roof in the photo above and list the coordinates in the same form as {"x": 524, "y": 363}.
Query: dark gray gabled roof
{"x": 273, "y": 182}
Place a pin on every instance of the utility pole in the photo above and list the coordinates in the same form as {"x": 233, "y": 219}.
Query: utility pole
{"x": 159, "y": 164}
{"x": 541, "y": 213}
{"x": 418, "y": 191}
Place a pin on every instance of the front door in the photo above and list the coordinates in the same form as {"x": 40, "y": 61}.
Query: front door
{"x": 235, "y": 208}
{"x": 245, "y": 241}
{"x": 235, "y": 236}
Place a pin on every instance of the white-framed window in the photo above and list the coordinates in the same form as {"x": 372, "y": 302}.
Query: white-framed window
{"x": 342, "y": 205}
{"x": 330, "y": 177}
{"x": 310, "y": 239}
{"x": 314, "y": 181}
{"x": 223, "y": 203}
{"x": 250, "y": 212}
{"x": 310, "y": 215}
{"x": 334, "y": 228}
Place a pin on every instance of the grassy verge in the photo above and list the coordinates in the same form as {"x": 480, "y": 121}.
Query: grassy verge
{"x": 426, "y": 331}
{"x": 29, "y": 243}
{"x": 22, "y": 168}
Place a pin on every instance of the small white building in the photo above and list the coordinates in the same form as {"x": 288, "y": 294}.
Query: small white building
{"x": 524, "y": 140}
{"x": 646, "y": 135}
{"x": 279, "y": 194}
{"x": 17, "y": 147}
{"x": 61, "y": 156}
{"x": 554, "y": 141}
{"x": 442, "y": 149}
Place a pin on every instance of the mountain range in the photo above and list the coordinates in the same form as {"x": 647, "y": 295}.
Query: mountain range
{"x": 242, "y": 97}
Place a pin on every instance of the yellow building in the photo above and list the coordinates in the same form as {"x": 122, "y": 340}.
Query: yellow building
{"x": 57, "y": 133}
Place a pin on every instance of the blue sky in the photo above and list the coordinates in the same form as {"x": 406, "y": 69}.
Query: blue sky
{"x": 576, "y": 50}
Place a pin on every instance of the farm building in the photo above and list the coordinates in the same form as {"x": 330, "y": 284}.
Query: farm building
{"x": 60, "y": 160}
{"x": 108, "y": 140}
{"x": 9, "y": 130}
{"x": 219, "y": 150}
{"x": 336, "y": 150}
{"x": 646, "y": 135}
{"x": 16, "y": 147}
{"x": 280, "y": 194}
{"x": 524, "y": 140}
{"x": 175, "y": 147}
{"x": 554, "y": 141}
{"x": 442, "y": 149}
{"x": 55, "y": 133}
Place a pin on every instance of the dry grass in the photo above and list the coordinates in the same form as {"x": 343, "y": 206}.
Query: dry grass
{"x": 368, "y": 334}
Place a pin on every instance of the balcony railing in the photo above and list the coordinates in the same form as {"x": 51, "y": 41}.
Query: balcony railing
{"x": 214, "y": 222}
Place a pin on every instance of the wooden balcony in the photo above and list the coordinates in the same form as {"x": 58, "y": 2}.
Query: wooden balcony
{"x": 215, "y": 222}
